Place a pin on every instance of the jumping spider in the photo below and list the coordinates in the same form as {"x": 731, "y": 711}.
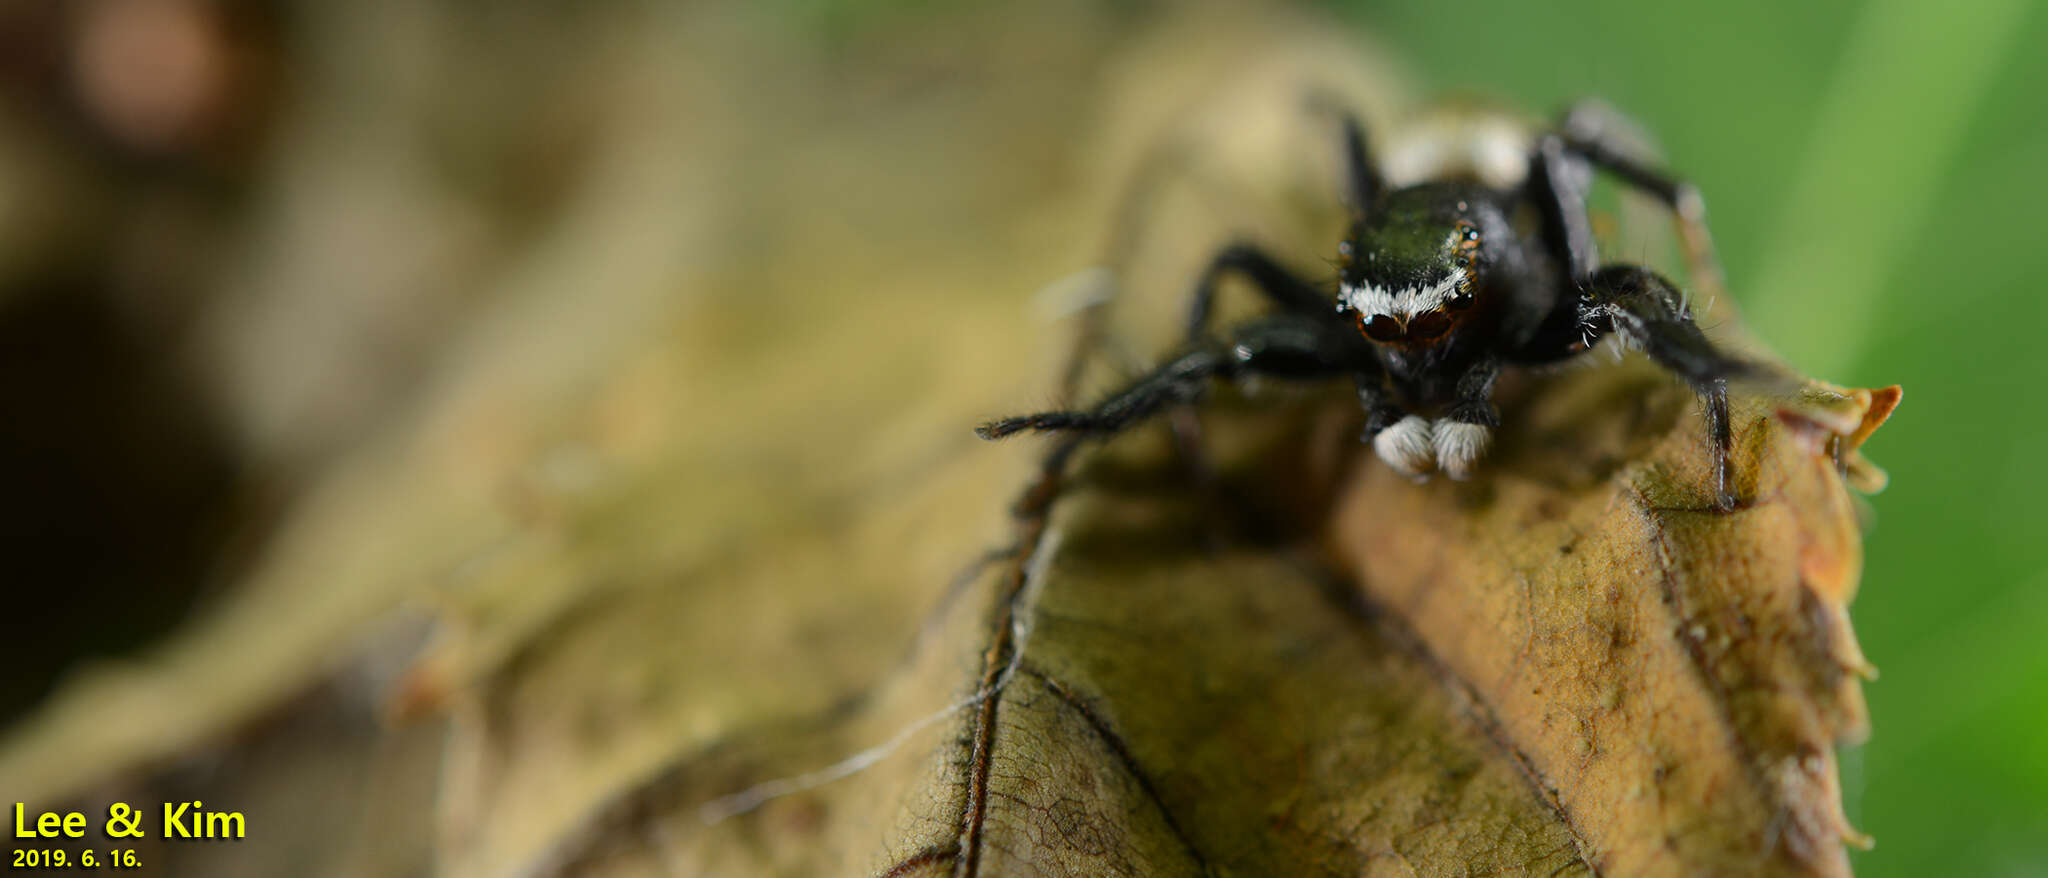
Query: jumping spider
{"x": 1440, "y": 290}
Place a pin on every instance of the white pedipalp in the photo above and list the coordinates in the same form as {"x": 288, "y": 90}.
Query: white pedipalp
{"x": 1459, "y": 446}
{"x": 1405, "y": 446}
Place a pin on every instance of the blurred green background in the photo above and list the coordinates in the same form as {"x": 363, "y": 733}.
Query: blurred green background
{"x": 1875, "y": 173}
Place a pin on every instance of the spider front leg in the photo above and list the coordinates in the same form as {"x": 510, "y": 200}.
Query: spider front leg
{"x": 1285, "y": 288}
{"x": 1634, "y": 301}
{"x": 1650, "y": 314}
{"x": 1292, "y": 347}
{"x": 1267, "y": 275}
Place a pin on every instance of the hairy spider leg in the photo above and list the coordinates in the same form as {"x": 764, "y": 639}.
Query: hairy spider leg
{"x": 1267, "y": 275}
{"x": 1650, "y": 314}
{"x": 1286, "y": 346}
{"x": 1590, "y": 129}
{"x": 1557, "y": 182}
{"x": 1284, "y": 287}
{"x": 1363, "y": 180}
{"x": 1634, "y": 301}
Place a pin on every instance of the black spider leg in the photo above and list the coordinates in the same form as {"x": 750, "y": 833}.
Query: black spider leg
{"x": 1651, "y": 314}
{"x": 1645, "y": 308}
{"x": 1283, "y": 287}
{"x": 1267, "y": 275}
{"x": 1362, "y": 185}
{"x": 1593, "y": 130}
{"x": 1292, "y": 347}
{"x": 1362, "y": 176}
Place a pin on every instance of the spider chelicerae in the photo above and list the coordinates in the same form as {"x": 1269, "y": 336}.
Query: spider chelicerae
{"x": 1439, "y": 290}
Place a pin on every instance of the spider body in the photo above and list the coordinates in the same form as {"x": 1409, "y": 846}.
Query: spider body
{"x": 1443, "y": 283}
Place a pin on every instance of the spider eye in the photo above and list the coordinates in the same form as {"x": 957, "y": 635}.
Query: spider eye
{"x": 1380, "y": 327}
{"x": 1460, "y": 300}
{"x": 1424, "y": 327}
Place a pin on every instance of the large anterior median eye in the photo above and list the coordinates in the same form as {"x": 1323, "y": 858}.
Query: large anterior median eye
{"x": 1379, "y": 327}
{"x": 1423, "y": 327}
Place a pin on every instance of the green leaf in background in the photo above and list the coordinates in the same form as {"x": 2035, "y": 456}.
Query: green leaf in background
{"x": 1874, "y": 173}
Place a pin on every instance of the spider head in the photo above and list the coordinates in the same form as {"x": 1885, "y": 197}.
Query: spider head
{"x": 1411, "y": 273}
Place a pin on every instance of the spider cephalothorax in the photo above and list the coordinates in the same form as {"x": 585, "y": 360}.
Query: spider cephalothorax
{"x": 1414, "y": 270}
{"x": 1438, "y": 290}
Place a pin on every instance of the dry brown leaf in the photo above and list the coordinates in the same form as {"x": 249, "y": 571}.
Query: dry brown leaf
{"x": 1571, "y": 664}
{"x": 1675, "y": 679}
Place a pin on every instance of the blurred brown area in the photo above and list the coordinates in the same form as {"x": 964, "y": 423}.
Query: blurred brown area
{"x": 313, "y": 311}
{"x": 235, "y": 237}
{"x": 126, "y": 129}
